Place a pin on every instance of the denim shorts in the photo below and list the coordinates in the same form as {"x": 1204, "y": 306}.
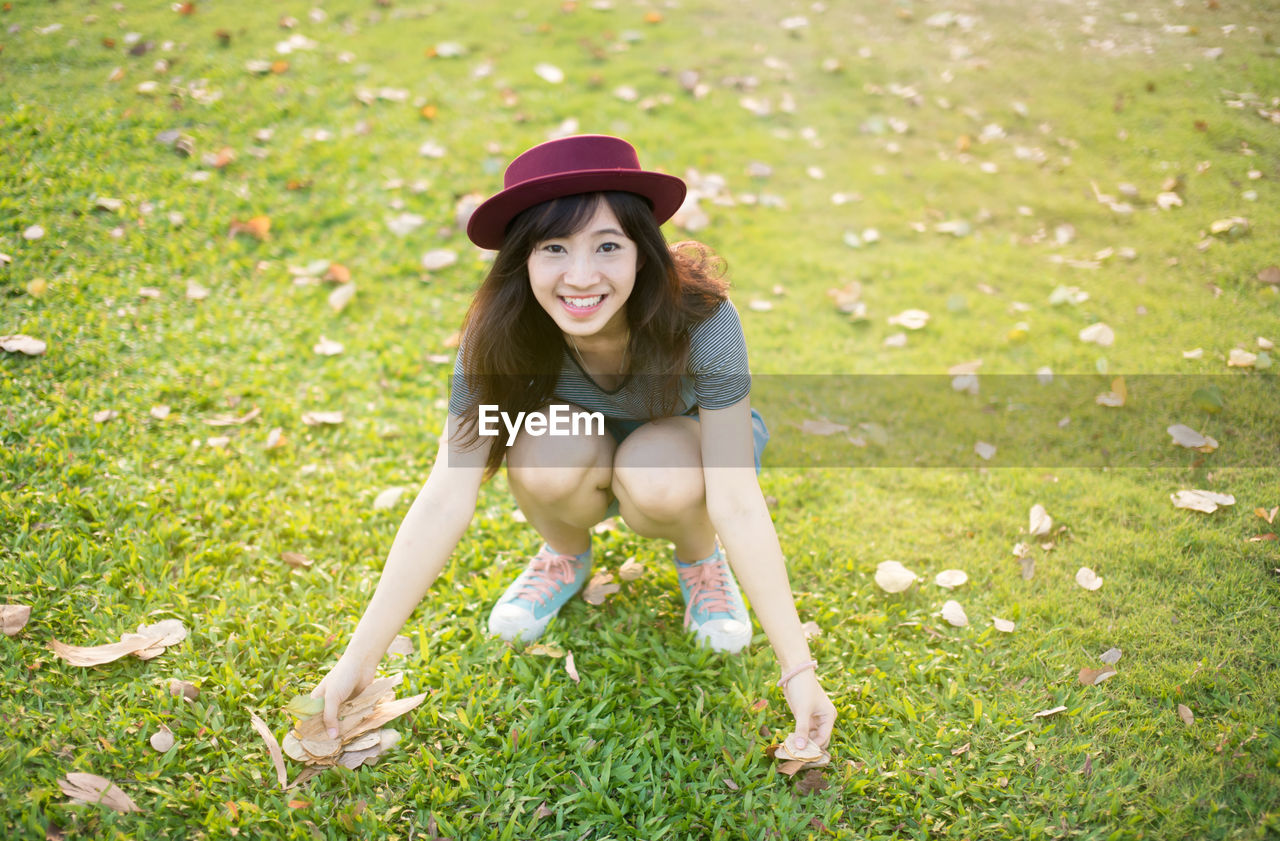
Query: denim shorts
{"x": 620, "y": 429}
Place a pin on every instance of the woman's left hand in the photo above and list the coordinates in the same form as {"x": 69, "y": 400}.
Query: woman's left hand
{"x": 814, "y": 712}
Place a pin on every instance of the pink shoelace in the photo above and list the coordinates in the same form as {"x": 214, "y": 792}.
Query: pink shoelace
{"x": 547, "y": 573}
{"x": 708, "y": 585}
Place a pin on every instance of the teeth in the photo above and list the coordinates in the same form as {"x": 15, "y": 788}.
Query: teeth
{"x": 583, "y": 302}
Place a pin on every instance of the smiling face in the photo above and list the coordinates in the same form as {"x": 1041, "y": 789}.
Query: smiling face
{"x": 583, "y": 279}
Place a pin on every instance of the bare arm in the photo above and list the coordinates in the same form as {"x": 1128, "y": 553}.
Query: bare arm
{"x": 741, "y": 519}
{"x": 426, "y": 538}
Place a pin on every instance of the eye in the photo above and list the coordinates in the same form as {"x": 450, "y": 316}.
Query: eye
{"x": 610, "y": 246}
{"x": 552, "y": 248}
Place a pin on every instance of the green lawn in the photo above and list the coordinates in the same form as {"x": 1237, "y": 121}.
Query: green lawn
{"x": 973, "y": 138}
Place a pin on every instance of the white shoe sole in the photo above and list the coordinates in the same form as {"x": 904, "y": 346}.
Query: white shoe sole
{"x": 727, "y": 635}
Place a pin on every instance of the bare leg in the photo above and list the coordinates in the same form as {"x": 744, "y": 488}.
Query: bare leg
{"x": 657, "y": 476}
{"x": 561, "y": 484}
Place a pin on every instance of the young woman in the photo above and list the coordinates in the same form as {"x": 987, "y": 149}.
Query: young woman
{"x": 587, "y": 309}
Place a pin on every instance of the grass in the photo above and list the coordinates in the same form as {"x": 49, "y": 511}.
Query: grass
{"x": 104, "y": 525}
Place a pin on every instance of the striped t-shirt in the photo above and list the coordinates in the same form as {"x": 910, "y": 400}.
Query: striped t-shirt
{"x": 718, "y": 375}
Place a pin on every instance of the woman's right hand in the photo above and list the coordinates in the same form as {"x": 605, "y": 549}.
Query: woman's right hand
{"x": 348, "y": 676}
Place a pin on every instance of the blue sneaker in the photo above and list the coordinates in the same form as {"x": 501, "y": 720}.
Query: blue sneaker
{"x": 714, "y": 609}
{"x": 534, "y": 599}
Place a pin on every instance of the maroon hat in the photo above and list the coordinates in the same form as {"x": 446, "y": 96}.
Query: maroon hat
{"x": 585, "y": 163}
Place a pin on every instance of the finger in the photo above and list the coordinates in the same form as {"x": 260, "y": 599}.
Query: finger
{"x": 331, "y": 714}
{"x": 823, "y": 724}
{"x": 318, "y": 692}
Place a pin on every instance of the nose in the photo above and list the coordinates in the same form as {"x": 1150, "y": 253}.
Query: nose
{"x": 581, "y": 272}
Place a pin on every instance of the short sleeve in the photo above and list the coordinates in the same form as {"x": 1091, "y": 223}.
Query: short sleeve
{"x": 460, "y": 393}
{"x": 718, "y": 359}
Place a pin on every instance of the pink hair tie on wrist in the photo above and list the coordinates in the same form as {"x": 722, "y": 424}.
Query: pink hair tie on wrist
{"x": 803, "y": 667}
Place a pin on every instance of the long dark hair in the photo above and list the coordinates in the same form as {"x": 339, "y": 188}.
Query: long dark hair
{"x": 512, "y": 349}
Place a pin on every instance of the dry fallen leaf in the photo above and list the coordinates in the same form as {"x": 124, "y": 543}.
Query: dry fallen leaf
{"x": 297, "y": 560}
{"x": 1040, "y": 521}
{"x": 183, "y": 689}
{"x": 545, "y": 649}
{"x": 1185, "y": 436}
{"x": 234, "y": 420}
{"x": 1116, "y": 397}
{"x": 92, "y": 789}
{"x": 954, "y": 613}
{"x": 1093, "y": 677}
{"x": 811, "y": 630}
{"x": 273, "y": 747}
{"x": 1197, "y": 500}
{"x": 951, "y": 578}
{"x": 1184, "y": 713}
{"x": 1088, "y": 579}
{"x": 570, "y": 668}
{"x": 439, "y": 258}
{"x": 259, "y": 227}
{"x": 1111, "y": 656}
{"x": 18, "y": 343}
{"x": 1099, "y": 334}
{"x": 401, "y": 646}
{"x": 600, "y": 587}
{"x": 893, "y": 577}
{"x": 630, "y": 570}
{"x": 13, "y": 618}
{"x": 162, "y": 740}
{"x": 318, "y": 418}
{"x": 910, "y": 319}
{"x": 984, "y": 450}
{"x": 1002, "y": 625}
{"x": 388, "y": 498}
{"x": 99, "y": 654}
{"x": 327, "y": 347}
{"x": 340, "y": 297}
{"x": 1269, "y": 516}
{"x": 1049, "y": 712}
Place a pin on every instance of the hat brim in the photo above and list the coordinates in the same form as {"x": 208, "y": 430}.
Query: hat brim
{"x": 488, "y": 225}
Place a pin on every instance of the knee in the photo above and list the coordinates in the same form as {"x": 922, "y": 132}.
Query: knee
{"x": 553, "y": 467}
{"x": 662, "y": 494}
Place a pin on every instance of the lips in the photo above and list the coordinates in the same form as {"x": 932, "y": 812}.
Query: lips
{"x": 582, "y": 304}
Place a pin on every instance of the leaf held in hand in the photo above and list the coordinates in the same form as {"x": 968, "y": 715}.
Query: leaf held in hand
{"x": 304, "y": 706}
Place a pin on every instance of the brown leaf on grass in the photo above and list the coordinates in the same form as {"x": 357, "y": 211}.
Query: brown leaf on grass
{"x": 1050, "y": 712}
{"x": 97, "y": 655}
{"x": 1262, "y": 538}
{"x": 273, "y": 747}
{"x": 1269, "y": 516}
{"x": 338, "y": 273}
{"x": 258, "y": 227}
{"x": 759, "y": 705}
{"x": 960, "y": 751}
{"x": 1093, "y": 677}
{"x": 790, "y": 767}
{"x": 233, "y": 420}
{"x": 13, "y": 618}
{"x": 297, "y": 560}
{"x": 601, "y": 587}
{"x": 812, "y": 781}
{"x": 183, "y": 689}
{"x": 162, "y": 740}
{"x": 92, "y": 789}
{"x": 1184, "y": 713}
{"x": 543, "y": 811}
{"x": 571, "y": 668}
{"x": 546, "y": 650}
{"x": 275, "y": 438}
{"x": 1270, "y": 275}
